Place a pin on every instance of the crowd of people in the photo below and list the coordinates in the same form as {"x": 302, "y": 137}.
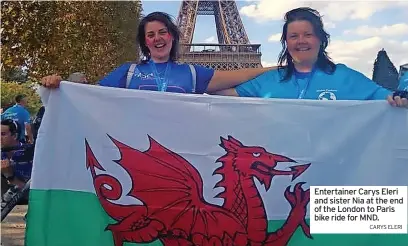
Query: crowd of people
{"x": 305, "y": 71}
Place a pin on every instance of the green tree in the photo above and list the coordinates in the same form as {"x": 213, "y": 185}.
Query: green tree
{"x": 385, "y": 73}
{"x": 9, "y": 90}
{"x": 25, "y": 30}
{"x": 17, "y": 74}
{"x": 63, "y": 37}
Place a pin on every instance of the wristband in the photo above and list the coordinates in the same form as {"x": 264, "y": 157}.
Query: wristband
{"x": 402, "y": 94}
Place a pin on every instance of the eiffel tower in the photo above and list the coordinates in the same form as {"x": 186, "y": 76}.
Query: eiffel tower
{"x": 233, "y": 50}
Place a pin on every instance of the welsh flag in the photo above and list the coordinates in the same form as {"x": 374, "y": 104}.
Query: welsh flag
{"x": 118, "y": 167}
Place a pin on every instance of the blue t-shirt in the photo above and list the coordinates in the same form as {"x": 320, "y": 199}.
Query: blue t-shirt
{"x": 179, "y": 77}
{"x": 344, "y": 84}
{"x": 20, "y": 115}
{"x": 403, "y": 82}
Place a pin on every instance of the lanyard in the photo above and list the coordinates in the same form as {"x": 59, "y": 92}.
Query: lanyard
{"x": 303, "y": 92}
{"x": 160, "y": 81}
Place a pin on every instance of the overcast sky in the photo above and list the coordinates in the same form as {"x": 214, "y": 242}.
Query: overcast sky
{"x": 358, "y": 29}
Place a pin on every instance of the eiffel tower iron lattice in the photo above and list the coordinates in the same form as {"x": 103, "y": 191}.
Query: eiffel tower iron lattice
{"x": 233, "y": 50}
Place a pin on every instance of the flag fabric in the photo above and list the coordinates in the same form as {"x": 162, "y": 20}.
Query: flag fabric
{"x": 120, "y": 167}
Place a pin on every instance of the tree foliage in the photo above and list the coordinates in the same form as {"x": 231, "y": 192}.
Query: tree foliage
{"x": 64, "y": 37}
{"x": 17, "y": 74}
{"x": 9, "y": 90}
{"x": 385, "y": 73}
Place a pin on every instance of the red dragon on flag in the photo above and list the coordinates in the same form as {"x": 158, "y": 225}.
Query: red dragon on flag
{"x": 174, "y": 210}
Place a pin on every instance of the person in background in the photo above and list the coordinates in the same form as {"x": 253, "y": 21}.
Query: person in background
{"x": 16, "y": 164}
{"x": 306, "y": 71}
{"x": 9, "y": 138}
{"x": 158, "y": 38}
{"x": 37, "y": 122}
{"x": 19, "y": 114}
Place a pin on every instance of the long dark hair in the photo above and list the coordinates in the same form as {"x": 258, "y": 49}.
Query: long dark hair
{"x": 171, "y": 27}
{"x": 323, "y": 60}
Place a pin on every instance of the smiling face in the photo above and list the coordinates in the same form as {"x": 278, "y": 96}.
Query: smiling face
{"x": 158, "y": 41}
{"x": 302, "y": 42}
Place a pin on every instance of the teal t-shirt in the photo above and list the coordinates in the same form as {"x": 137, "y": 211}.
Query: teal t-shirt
{"x": 344, "y": 84}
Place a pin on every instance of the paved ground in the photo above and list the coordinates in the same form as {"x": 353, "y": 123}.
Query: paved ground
{"x": 12, "y": 228}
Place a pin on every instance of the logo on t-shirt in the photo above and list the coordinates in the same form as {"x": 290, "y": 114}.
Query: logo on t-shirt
{"x": 327, "y": 95}
{"x": 145, "y": 76}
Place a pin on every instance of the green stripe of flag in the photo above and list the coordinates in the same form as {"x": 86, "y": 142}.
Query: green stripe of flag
{"x": 68, "y": 218}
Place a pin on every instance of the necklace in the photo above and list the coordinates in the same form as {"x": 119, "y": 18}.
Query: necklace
{"x": 161, "y": 81}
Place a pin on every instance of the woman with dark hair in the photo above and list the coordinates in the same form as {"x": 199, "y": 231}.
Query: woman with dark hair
{"x": 146, "y": 41}
{"x": 158, "y": 38}
{"x": 305, "y": 71}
